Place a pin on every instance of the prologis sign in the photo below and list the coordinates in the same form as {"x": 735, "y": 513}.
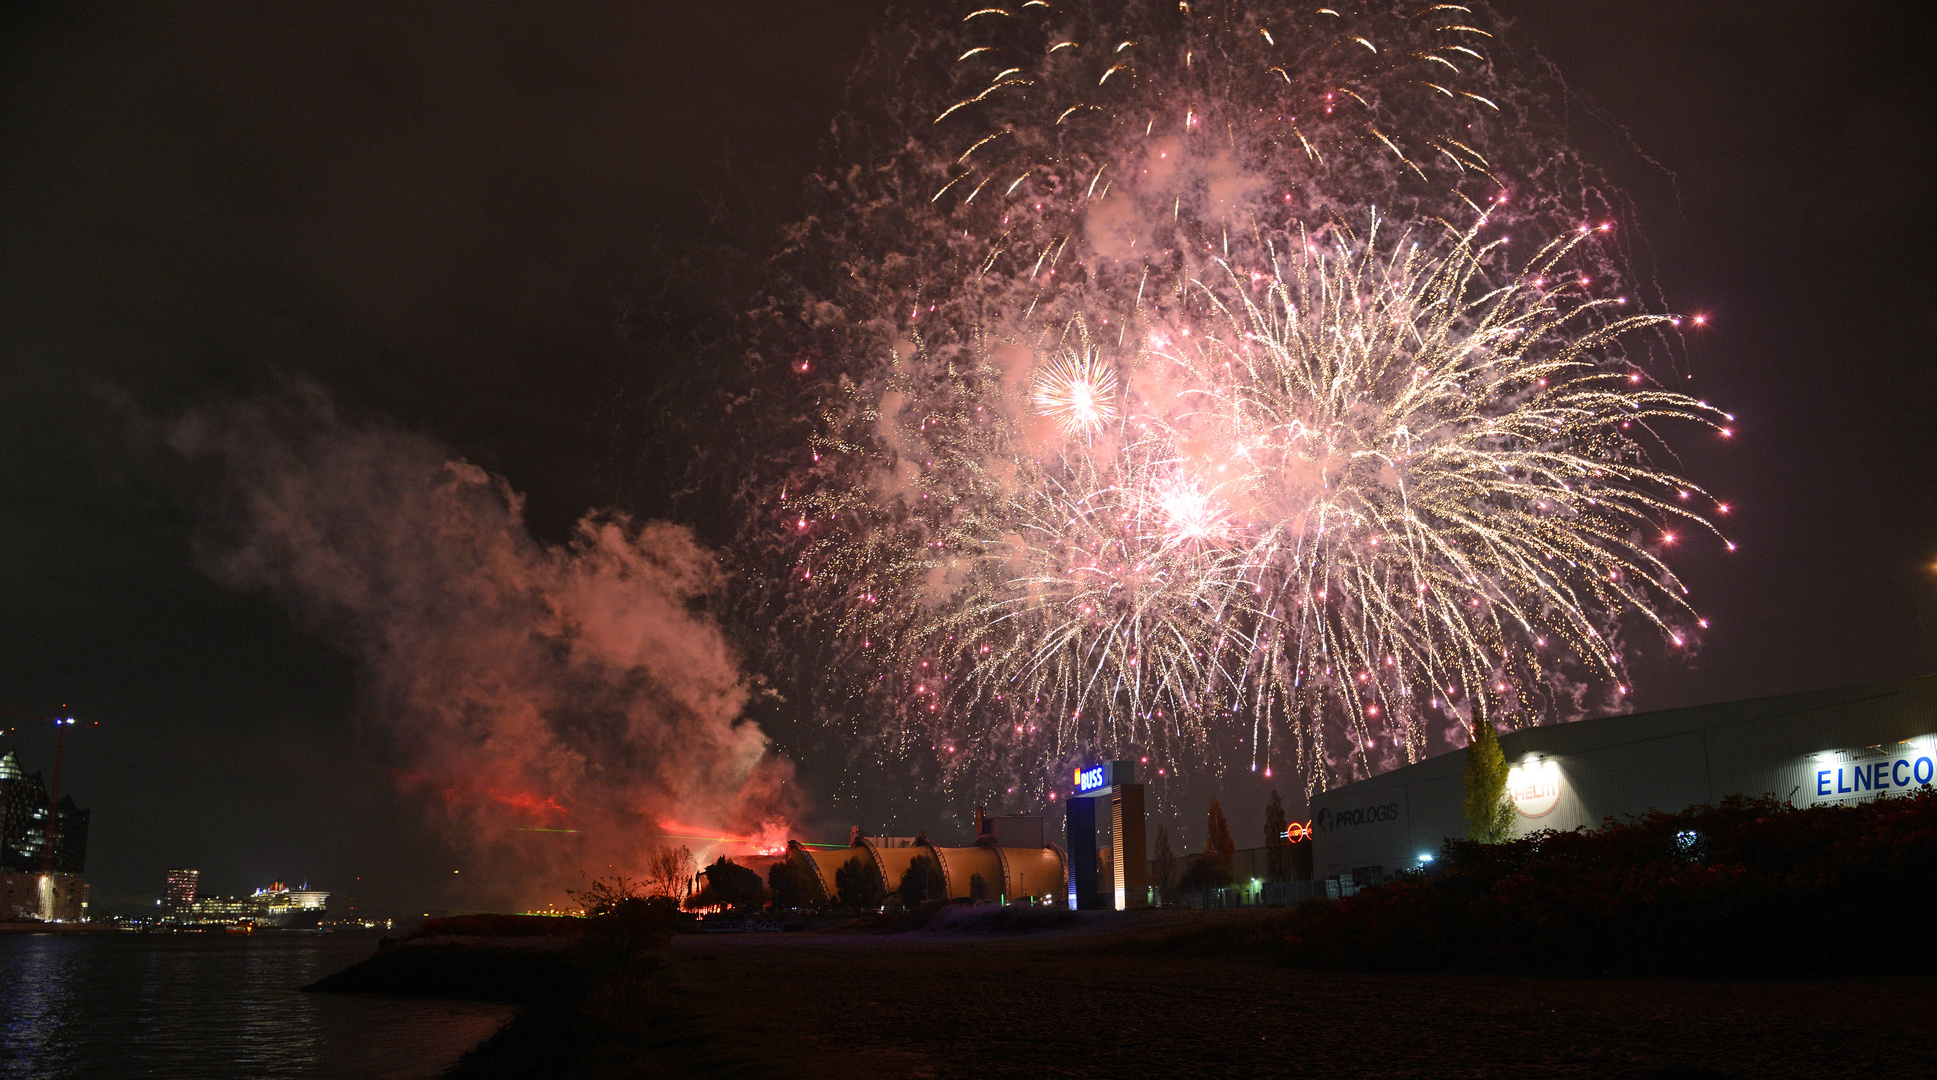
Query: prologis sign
{"x": 1329, "y": 820}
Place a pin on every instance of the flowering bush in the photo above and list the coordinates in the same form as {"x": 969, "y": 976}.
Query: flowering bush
{"x": 1750, "y": 885}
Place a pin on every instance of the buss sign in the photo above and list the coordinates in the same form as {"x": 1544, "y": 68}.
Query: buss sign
{"x": 1108, "y": 774}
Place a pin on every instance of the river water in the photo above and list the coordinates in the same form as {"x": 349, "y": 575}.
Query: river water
{"x": 213, "y": 1006}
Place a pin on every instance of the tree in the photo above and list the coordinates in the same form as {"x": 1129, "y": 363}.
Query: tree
{"x": 1163, "y": 866}
{"x": 859, "y": 883}
{"x": 1217, "y": 839}
{"x": 1205, "y": 872}
{"x": 729, "y": 885}
{"x": 604, "y": 894}
{"x": 1489, "y": 813}
{"x": 922, "y": 882}
{"x": 623, "y": 924}
{"x": 978, "y": 888}
{"x": 669, "y": 872}
{"x": 1277, "y": 849}
{"x": 786, "y": 887}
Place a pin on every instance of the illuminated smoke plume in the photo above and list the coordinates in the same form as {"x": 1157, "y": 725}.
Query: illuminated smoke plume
{"x": 555, "y": 706}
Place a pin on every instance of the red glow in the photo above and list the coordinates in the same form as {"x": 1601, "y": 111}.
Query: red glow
{"x": 522, "y": 801}
{"x": 769, "y": 839}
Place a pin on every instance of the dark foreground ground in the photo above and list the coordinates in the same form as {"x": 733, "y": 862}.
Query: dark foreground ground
{"x": 1084, "y": 1005}
{"x": 1151, "y": 994}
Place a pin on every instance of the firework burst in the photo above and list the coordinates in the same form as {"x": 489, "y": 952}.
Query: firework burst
{"x": 1131, "y": 440}
{"x": 1376, "y": 492}
{"x": 1444, "y": 485}
{"x": 1057, "y": 109}
{"x": 1077, "y": 389}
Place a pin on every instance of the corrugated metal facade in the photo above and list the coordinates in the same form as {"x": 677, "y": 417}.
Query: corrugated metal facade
{"x": 1826, "y": 746}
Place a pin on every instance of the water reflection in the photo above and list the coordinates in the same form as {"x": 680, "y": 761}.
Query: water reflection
{"x": 198, "y": 1006}
{"x": 36, "y": 991}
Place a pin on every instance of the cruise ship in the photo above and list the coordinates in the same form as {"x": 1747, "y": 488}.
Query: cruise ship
{"x": 277, "y": 907}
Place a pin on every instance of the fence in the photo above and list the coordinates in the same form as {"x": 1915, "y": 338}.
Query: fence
{"x": 1259, "y": 894}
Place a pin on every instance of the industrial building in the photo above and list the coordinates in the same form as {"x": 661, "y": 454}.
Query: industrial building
{"x": 1828, "y": 746}
{"x": 1008, "y": 862}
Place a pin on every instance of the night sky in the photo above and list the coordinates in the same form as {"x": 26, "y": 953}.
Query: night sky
{"x": 441, "y": 216}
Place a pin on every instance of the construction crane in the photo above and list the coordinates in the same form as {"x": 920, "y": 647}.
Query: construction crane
{"x": 61, "y": 726}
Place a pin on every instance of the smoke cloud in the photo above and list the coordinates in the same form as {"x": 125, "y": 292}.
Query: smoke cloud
{"x": 556, "y": 707}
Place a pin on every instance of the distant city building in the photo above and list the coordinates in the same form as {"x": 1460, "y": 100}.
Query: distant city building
{"x": 23, "y": 824}
{"x": 38, "y": 897}
{"x": 277, "y": 906}
{"x": 354, "y": 923}
{"x": 178, "y": 896}
{"x": 220, "y": 910}
{"x": 25, "y": 891}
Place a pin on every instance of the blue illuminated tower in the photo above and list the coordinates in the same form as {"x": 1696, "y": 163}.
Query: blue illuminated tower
{"x": 1129, "y": 884}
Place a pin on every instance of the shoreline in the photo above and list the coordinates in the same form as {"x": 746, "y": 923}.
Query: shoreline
{"x": 539, "y": 977}
{"x": 58, "y": 928}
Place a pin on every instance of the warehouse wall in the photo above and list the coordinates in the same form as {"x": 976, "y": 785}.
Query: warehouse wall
{"x": 1831, "y": 745}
